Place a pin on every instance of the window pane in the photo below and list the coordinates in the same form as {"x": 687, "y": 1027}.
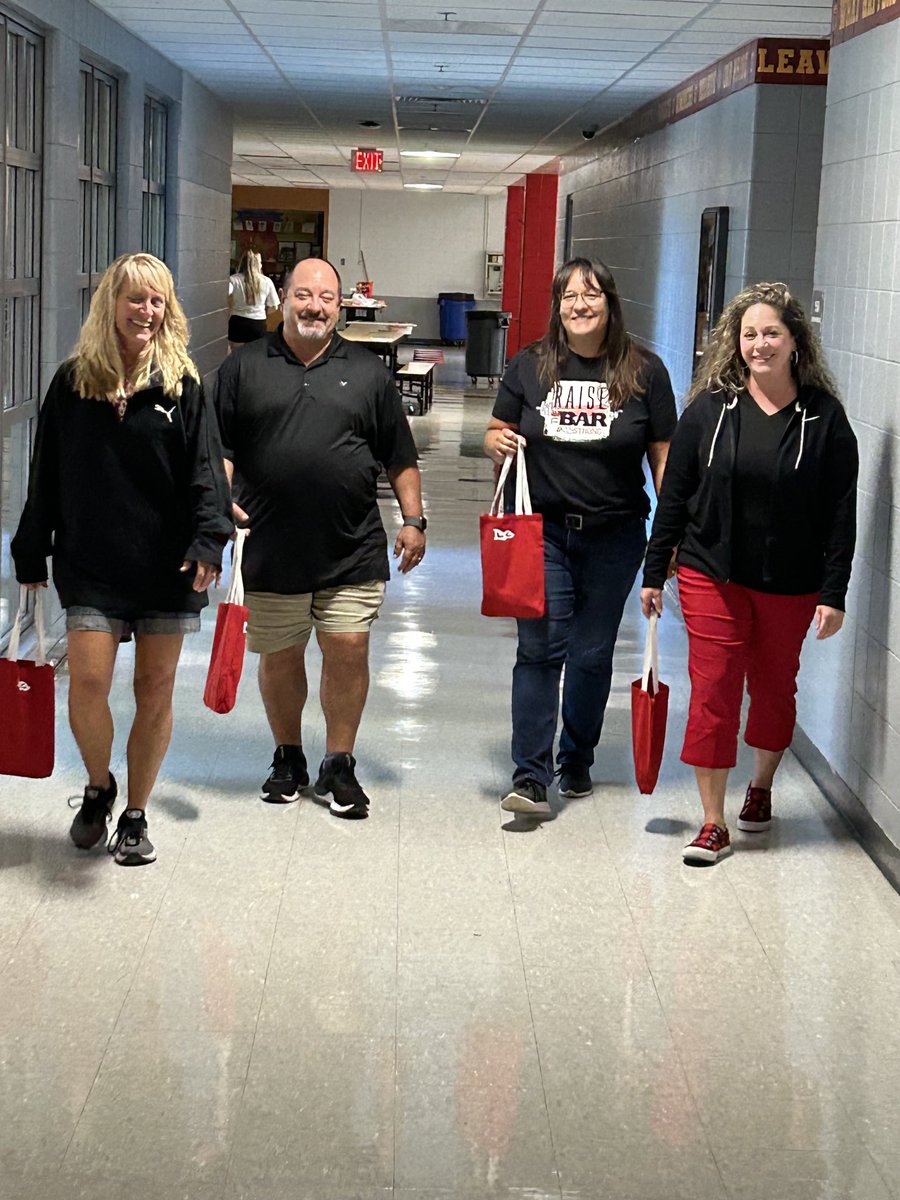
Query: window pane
{"x": 84, "y": 135}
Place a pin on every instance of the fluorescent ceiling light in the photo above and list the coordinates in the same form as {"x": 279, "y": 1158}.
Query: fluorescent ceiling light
{"x": 427, "y": 154}
{"x": 425, "y": 187}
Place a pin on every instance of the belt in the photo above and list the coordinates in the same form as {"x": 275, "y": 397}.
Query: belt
{"x": 588, "y": 521}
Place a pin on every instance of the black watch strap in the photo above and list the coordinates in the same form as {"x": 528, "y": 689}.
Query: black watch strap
{"x": 416, "y": 522}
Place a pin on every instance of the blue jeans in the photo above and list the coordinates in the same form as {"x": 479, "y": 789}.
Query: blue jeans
{"x": 588, "y": 575}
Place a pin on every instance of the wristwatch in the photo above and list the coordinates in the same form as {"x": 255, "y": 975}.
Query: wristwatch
{"x": 416, "y": 522}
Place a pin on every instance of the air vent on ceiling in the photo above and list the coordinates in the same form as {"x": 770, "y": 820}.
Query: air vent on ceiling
{"x": 444, "y": 103}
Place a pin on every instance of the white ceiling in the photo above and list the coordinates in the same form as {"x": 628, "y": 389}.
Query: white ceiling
{"x": 509, "y": 85}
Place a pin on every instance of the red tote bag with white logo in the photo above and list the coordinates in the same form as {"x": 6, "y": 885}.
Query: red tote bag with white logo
{"x": 229, "y": 643}
{"x": 27, "y": 710}
{"x": 649, "y": 712}
{"x": 512, "y": 551}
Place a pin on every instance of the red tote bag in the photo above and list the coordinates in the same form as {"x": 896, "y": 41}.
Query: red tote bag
{"x": 27, "y": 709}
{"x": 649, "y": 710}
{"x": 512, "y": 551}
{"x": 227, "y": 660}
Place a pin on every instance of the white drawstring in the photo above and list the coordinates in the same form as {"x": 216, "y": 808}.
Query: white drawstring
{"x": 802, "y": 411}
{"x": 718, "y": 427}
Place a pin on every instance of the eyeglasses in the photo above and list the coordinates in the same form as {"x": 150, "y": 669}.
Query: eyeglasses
{"x": 591, "y": 298}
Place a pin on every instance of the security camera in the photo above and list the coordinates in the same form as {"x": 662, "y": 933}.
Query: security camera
{"x": 588, "y": 133}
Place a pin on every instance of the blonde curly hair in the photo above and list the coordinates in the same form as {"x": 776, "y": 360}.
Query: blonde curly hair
{"x": 99, "y": 371}
{"x": 722, "y": 369}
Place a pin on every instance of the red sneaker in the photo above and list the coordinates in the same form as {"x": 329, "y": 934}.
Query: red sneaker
{"x": 710, "y": 844}
{"x": 756, "y": 815}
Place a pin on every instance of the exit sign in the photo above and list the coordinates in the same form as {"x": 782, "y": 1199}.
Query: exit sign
{"x": 367, "y": 160}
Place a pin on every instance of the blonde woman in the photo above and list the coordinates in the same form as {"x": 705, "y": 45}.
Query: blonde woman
{"x": 127, "y": 494}
{"x": 250, "y": 295}
{"x": 759, "y": 498}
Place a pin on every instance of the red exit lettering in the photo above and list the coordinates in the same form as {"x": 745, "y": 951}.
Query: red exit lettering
{"x": 367, "y": 160}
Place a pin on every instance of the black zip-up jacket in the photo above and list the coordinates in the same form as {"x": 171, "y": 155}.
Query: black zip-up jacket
{"x": 813, "y": 532}
{"x": 120, "y": 504}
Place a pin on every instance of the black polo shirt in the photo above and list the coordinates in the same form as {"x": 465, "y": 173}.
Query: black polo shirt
{"x": 308, "y": 445}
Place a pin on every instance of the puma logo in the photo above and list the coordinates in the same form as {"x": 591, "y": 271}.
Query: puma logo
{"x": 23, "y": 686}
{"x": 166, "y": 412}
{"x": 503, "y": 535}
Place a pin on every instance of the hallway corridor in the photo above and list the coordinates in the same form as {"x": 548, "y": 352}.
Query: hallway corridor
{"x": 441, "y": 1003}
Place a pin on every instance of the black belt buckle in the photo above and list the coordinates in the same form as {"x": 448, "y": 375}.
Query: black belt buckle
{"x": 574, "y": 521}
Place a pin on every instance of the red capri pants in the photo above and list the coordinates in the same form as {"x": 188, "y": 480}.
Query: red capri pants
{"x": 736, "y": 633}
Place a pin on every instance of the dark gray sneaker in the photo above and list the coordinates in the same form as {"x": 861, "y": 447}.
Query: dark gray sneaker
{"x": 89, "y": 826}
{"x": 129, "y": 844}
{"x": 575, "y": 780}
{"x": 337, "y": 784}
{"x": 528, "y": 797}
{"x": 288, "y": 776}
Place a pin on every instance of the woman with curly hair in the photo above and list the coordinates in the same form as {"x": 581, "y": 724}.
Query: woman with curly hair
{"x": 759, "y": 500}
{"x": 591, "y": 405}
{"x": 128, "y": 495}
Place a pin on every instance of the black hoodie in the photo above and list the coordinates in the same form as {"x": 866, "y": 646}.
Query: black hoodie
{"x": 120, "y": 504}
{"x": 813, "y": 528}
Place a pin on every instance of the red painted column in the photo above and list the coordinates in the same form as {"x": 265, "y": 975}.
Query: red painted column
{"x": 538, "y": 256}
{"x": 512, "y": 262}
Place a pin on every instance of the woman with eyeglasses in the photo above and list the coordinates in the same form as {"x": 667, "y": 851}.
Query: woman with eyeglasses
{"x": 590, "y": 405}
{"x": 760, "y": 501}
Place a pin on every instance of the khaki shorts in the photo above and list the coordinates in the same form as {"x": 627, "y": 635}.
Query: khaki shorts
{"x": 278, "y": 622}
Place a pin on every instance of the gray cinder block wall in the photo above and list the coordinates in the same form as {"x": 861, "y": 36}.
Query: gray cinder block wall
{"x": 637, "y": 207}
{"x": 849, "y": 699}
{"x": 198, "y": 186}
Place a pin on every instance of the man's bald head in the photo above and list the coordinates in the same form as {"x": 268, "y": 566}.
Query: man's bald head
{"x": 312, "y": 305}
{"x": 309, "y": 267}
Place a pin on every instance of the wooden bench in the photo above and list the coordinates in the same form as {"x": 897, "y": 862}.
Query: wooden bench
{"x": 414, "y": 379}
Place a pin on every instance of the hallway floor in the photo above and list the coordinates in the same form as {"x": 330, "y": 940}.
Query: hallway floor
{"x": 441, "y": 1001}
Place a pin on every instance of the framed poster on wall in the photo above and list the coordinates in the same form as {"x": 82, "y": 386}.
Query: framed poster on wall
{"x": 710, "y": 275}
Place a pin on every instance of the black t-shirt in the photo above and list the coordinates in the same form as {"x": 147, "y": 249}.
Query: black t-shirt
{"x": 583, "y": 457}
{"x": 753, "y": 491}
{"x": 308, "y": 445}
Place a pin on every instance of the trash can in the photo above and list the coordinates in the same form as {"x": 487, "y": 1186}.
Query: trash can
{"x": 486, "y": 343}
{"x": 453, "y": 306}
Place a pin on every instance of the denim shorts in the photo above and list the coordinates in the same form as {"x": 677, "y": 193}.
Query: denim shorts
{"x": 93, "y": 620}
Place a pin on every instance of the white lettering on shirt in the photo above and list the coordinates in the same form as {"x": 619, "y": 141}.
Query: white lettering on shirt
{"x": 577, "y": 411}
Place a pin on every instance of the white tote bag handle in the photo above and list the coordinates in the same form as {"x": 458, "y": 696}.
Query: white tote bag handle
{"x": 12, "y": 652}
{"x": 651, "y": 655}
{"x": 236, "y": 588}
{"x": 523, "y": 495}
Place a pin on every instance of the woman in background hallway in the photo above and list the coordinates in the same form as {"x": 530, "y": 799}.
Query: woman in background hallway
{"x": 128, "y": 494}
{"x": 759, "y": 499}
{"x": 250, "y": 296}
{"x": 590, "y": 404}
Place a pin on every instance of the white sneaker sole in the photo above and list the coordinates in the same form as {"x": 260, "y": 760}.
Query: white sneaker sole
{"x": 573, "y": 795}
{"x": 753, "y": 826}
{"x": 349, "y": 811}
{"x": 513, "y": 802}
{"x": 269, "y": 798}
{"x": 698, "y": 854}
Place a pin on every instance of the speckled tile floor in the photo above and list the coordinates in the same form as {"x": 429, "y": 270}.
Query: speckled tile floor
{"x": 441, "y": 1002}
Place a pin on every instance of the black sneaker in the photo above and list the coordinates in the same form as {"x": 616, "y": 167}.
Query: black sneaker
{"x": 89, "y": 826}
{"x": 529, "y": 797}
{"x": 130, "y": 844}
{"x": 289, "y": 775}
{"x": 338, "y": 785}
{"x": 575, "y": 780}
